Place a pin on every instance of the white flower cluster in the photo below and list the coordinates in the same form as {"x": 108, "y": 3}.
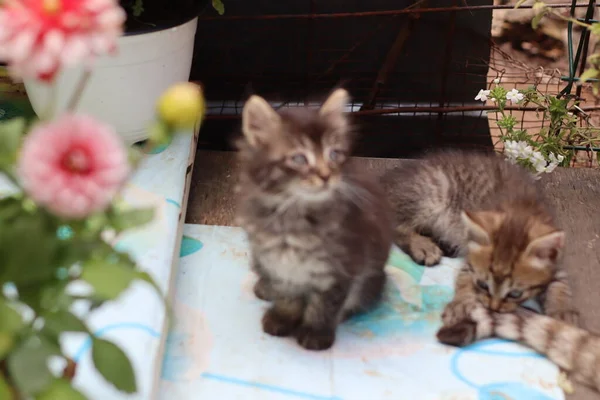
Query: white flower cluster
{"x": 521, "y": 151}
{"x": 514, "y": 96}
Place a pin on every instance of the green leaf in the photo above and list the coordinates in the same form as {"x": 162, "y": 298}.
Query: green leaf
{"x": 114, "y": 365}
{"x": 10, "y": 207}
{"x": 218, "y": 6}
{"x": 137, "y": 8}
{"x": 60, "y": 389}
{"x": 540, "y": 9}
{"x": 109, "y": 280}
{"x": 127, "y": 219}
{"x": 53, "y": 296}
{"x": 10, "y": 319}
{"x": 519, "y": 3}
{"x": 27, "y": 250}
{"x": 6, "y": 344}
{"x": 507, "y": 122}
{"x": 589, "y": 74}
{"x": 11, "y": 132}
{"x": 63, "y": 321}
{"x": 535, "y": 21}
{"x": 595, "y": 29}
{"x": 5, "y": 392}
{"x": 558, "y": 105}
{"x": 28, "y": 365}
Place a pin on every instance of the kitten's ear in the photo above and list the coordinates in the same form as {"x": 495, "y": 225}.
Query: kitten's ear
{"x": 479, "y": 226}
{"x": 259, "y": 120}
{"x": 334, "y": 109}
{"x": 546, "y": 249}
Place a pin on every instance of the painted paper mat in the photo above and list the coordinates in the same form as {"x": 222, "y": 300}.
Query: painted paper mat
{"x": 217, "y": 349}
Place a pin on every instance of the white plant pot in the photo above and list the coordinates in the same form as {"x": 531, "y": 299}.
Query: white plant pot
{"x": 123, "y": 88}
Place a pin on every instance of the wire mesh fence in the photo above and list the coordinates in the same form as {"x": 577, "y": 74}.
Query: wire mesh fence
{"x": 412, "y": 67}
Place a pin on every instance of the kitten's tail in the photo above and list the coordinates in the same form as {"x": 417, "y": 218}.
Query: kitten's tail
{"x": 575, "y": 350}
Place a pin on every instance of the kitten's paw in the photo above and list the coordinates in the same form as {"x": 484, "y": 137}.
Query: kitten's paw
{"x": 459, "y": 334}
{"x": 457, "y": 311}
{"x": 424, "y": 251}
{"x": 276, "y": 324}
{"x": 316, "y": 339}
{"x": 263, "y": 290}
{"x": 571, "y": 317}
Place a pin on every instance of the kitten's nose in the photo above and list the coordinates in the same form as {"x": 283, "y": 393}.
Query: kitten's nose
{"x": 324, "y": 173}
{"x": 495, "y": 304}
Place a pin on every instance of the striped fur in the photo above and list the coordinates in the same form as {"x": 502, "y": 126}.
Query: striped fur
{"x": 494, "y": 214}
{"x": 573, "y": 349}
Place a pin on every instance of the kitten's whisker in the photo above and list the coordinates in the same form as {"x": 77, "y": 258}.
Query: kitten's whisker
{"x": 357, "y": 195}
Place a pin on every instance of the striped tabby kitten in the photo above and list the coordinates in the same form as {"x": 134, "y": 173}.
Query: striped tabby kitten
{"x": 319, "y": 230}
{"x": 492, "y": 212}
{"x": 574, "y": 350}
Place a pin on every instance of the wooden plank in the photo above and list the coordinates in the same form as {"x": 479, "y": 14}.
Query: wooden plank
{"x": 575, "y": 193}
{"x": 175, "y": 260}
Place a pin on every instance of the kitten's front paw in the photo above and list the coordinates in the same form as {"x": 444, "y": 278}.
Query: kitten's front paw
{"x": 459, "y": 334}
{"x": 315, "y": 339}
{"x": 457, "y": 311}
{"x": 276, "y": 324}
{"x": 424, "y": 251}
{"x": 571, "y": 317}
{"x": 263, "y": 290}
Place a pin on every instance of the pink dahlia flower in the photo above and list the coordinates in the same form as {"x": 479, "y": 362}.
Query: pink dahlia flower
{"x": 73, "y": 166}
{"x": 37, "y": 37}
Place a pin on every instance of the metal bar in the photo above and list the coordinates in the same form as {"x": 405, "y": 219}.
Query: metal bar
{"x": 576, "y": 79}
{"x": 567, "y": 147}
{"x": 310, "y": 41}
{"x": 445, "y": 67}
{"x": 432, "y": 110}
{"x": 389, "y": 63}
{"x": 400, "y": 110}
{"x": 572, "y": 63}
{"x": 379, "y": 13}
{"x": 585, "y": 36}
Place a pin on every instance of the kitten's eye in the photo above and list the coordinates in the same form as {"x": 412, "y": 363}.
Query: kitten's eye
{"x": 299, "y": 159}
{"x": 482, "y": 285}
{"x": 515, "y": 294}
{"x": 336, "y": 155}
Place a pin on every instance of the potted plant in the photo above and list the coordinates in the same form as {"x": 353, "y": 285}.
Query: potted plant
{"x": 155, "y": 51}
{"x": 67, "y": 171}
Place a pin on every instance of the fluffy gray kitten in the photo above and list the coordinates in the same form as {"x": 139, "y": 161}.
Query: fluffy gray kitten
{"x": 319, "y": 230}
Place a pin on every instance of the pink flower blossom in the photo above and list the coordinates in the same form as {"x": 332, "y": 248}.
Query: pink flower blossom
{"x": 73, "y": 166}
{"x": 37, "y": 37}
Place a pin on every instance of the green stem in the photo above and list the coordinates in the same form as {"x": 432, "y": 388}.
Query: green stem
{"x": 76, "y": 97}
{"x": 570, "y": 19}
{"x": 51, "y": 104}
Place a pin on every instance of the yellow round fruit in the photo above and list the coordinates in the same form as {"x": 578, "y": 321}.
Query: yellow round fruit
{"x": 182, "y": 105}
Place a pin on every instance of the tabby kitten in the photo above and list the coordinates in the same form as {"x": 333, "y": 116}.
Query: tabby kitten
{"x": 319, "y": 230}
{"x": 574, "y": 350}
{"x": 492, "y": 213}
